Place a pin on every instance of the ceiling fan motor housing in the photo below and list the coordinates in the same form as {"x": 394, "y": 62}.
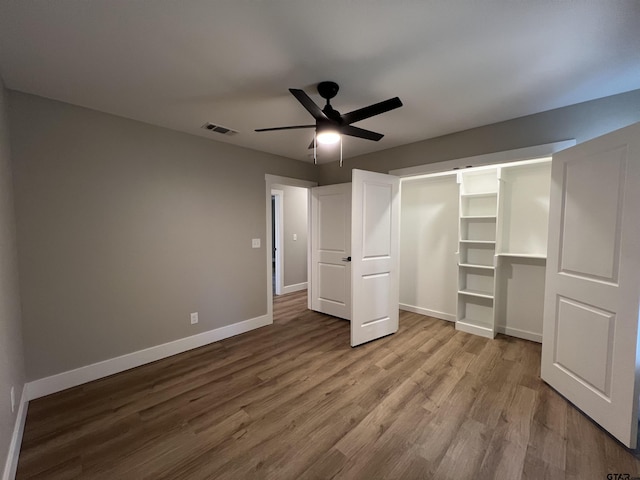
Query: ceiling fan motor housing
{"x": 328, "y": 90}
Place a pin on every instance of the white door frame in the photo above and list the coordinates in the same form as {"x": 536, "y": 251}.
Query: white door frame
{"x": 269, "y": 181}
{"x": 278, "y": 223}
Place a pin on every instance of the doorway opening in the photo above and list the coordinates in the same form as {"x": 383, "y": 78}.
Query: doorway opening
{"x": 287, "y": 211}
{"x": 277, "y": 197}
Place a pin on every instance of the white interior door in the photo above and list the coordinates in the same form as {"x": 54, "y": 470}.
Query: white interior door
{"x": 375, "y": 242}
{"x": 330, "y": 250}
{"x": 590, "y": 332}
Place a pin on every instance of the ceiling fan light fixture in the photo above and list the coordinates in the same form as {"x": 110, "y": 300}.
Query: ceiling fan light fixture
{"x": 328, "y": 137}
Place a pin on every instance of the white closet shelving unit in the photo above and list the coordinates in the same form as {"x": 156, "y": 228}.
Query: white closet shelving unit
{"x": 502, "y": 249}
{"x": 479, "y": 194}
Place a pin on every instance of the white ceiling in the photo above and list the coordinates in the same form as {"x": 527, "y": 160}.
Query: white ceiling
{"x": 455, "y": 64}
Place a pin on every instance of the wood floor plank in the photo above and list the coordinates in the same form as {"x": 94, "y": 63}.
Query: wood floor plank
{"x": 466, "y": 452}
{"x": 585, "y": 448}
{"x": 548, "y": 439}
{"x": 294, "y": 401}
{"x": 537, "y": 469}
{"x": 503, "y": 459}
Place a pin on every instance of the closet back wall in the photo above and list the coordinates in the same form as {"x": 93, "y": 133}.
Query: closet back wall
{"x": 125, "y": 228}
{"x": 428, "y": 245}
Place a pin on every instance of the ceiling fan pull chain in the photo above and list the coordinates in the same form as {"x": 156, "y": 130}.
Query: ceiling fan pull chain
{"x": 315, "y": 158}
{"x": 340, "y": 151}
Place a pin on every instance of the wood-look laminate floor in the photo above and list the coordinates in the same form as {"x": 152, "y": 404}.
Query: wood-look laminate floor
{"x": 294, "y": 401}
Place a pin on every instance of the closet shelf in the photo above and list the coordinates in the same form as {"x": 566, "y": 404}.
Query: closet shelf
{"x": 523, "y": 255}
{"x": 479, "y": 194}
{"x": 478, "y": 217}
{"x": 477, "y": 327}
{"x": 477, "y": 323}
{"x": 476, "y": 293}
{"x": 483, "y": 267}
{"x": 480, "y": 242}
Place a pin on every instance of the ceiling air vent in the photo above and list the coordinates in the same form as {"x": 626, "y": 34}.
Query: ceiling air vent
{"x": 212, "y": 127}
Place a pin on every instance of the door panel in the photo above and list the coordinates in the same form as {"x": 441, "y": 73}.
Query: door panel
{"x": 590, "y": 333}
{"x": 332, "y": 282}
{"x": 330, "y": 245}
{"x": 596, "y": 217}
{"x": 587, "y": 357}
{"x": 375, "y": 253}
{"x": 377, "y": 220}
{"x": 332, "y": 213}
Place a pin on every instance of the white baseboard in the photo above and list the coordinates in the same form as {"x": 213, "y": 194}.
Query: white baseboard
{"x": 11, "y": 464}
{"x": 294, "y": 288}
{"x": 429, "y": 313}
{"x": 516, "y": 332}
{"x": 72, "y": 378}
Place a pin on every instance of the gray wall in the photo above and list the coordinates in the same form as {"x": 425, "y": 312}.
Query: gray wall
{"x": 295, "y": 212}
{"x": 581, "y": 122}
{"x": 125, "y": 228}
{"x": 11, "y": 354}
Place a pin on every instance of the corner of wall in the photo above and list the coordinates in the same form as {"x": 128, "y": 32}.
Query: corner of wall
{"x": 12, "y": 367}
{"x": 11, "y": 464}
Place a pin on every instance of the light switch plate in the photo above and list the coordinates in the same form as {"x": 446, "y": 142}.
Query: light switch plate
{"x": 255, "y": 243}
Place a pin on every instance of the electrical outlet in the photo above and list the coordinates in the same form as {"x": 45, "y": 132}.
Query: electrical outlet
{"x": 255, "y": 243}
{"x": 13, "y": 399}
{"x": 295, "y": 237}
{"x": 194, "y": 318}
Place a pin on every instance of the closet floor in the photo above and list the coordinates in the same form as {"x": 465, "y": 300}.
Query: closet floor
{"x": 295, "y": 401}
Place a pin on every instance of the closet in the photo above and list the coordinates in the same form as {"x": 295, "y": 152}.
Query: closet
{"x": 489, "y": 277}
{"x": 473, "y": 250}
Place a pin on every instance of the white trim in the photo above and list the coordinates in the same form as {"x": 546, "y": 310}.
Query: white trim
{"x": 278, "y": 221}
{"x": 11, "y": 464}
{"x": 310, "y": 252}
{"x": 429, "y": 313}
{"x": 72, "y": 378}
{"x": 292, "y": 182}
{"x": 516, "y": 332}
{"x": 294, "y": 288}
{"x": 518, "y": 154}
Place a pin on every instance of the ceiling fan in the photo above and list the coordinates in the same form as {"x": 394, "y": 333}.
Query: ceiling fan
{"x": 330, "y": 124}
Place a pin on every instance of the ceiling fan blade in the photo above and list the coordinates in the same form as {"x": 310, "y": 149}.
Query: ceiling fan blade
{"x": 371, "y": 110}
{"x": 283, "y": 128}
{"x": 360, "y": 133}
{"x": 309, "y": 104}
